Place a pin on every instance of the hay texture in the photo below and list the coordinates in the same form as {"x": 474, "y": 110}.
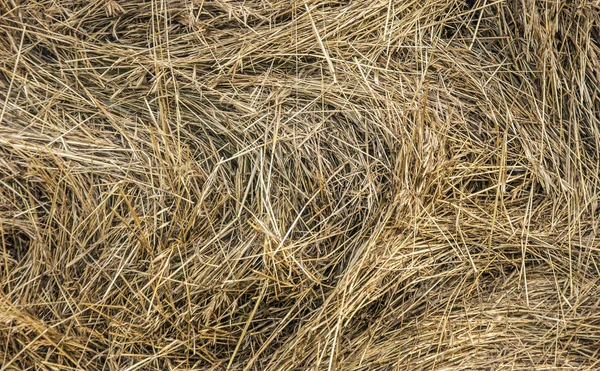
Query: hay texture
{"x": 299, "y": 185}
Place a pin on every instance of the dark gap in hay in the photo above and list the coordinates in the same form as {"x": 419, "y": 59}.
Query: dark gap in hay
{"x": 474, "y": 15}
{"x": 44, "y": 53}
{"x": 470, "y": 4}
{"x": 111, "y": 31}
{"x": 17, "y": 245}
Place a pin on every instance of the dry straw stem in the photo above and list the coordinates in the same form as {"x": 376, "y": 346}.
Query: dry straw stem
{"x": 299, "y": 185}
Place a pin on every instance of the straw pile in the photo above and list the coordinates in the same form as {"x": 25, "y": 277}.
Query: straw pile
{"x": 299, "y": 185}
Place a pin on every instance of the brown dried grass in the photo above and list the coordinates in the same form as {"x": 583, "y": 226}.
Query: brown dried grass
{"x": 299, "y": 185}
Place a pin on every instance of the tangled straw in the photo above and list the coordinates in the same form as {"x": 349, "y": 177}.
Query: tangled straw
{"x": 299, "y": 185}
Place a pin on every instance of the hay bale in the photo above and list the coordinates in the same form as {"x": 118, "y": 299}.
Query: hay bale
{"x": 299, "y": 185}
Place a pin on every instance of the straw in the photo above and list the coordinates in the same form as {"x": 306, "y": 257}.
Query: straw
{"x": 299, "y": 185}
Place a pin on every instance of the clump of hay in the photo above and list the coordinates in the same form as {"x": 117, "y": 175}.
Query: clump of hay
{"x": 299, "y": 185}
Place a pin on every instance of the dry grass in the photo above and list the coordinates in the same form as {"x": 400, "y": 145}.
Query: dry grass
{"x": 299, "y": 185}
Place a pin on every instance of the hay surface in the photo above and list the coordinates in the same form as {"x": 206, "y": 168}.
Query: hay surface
{"x": 299, "y": 185}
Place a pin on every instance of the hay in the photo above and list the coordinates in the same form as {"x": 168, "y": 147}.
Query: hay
{"x": 299, "y": 185}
